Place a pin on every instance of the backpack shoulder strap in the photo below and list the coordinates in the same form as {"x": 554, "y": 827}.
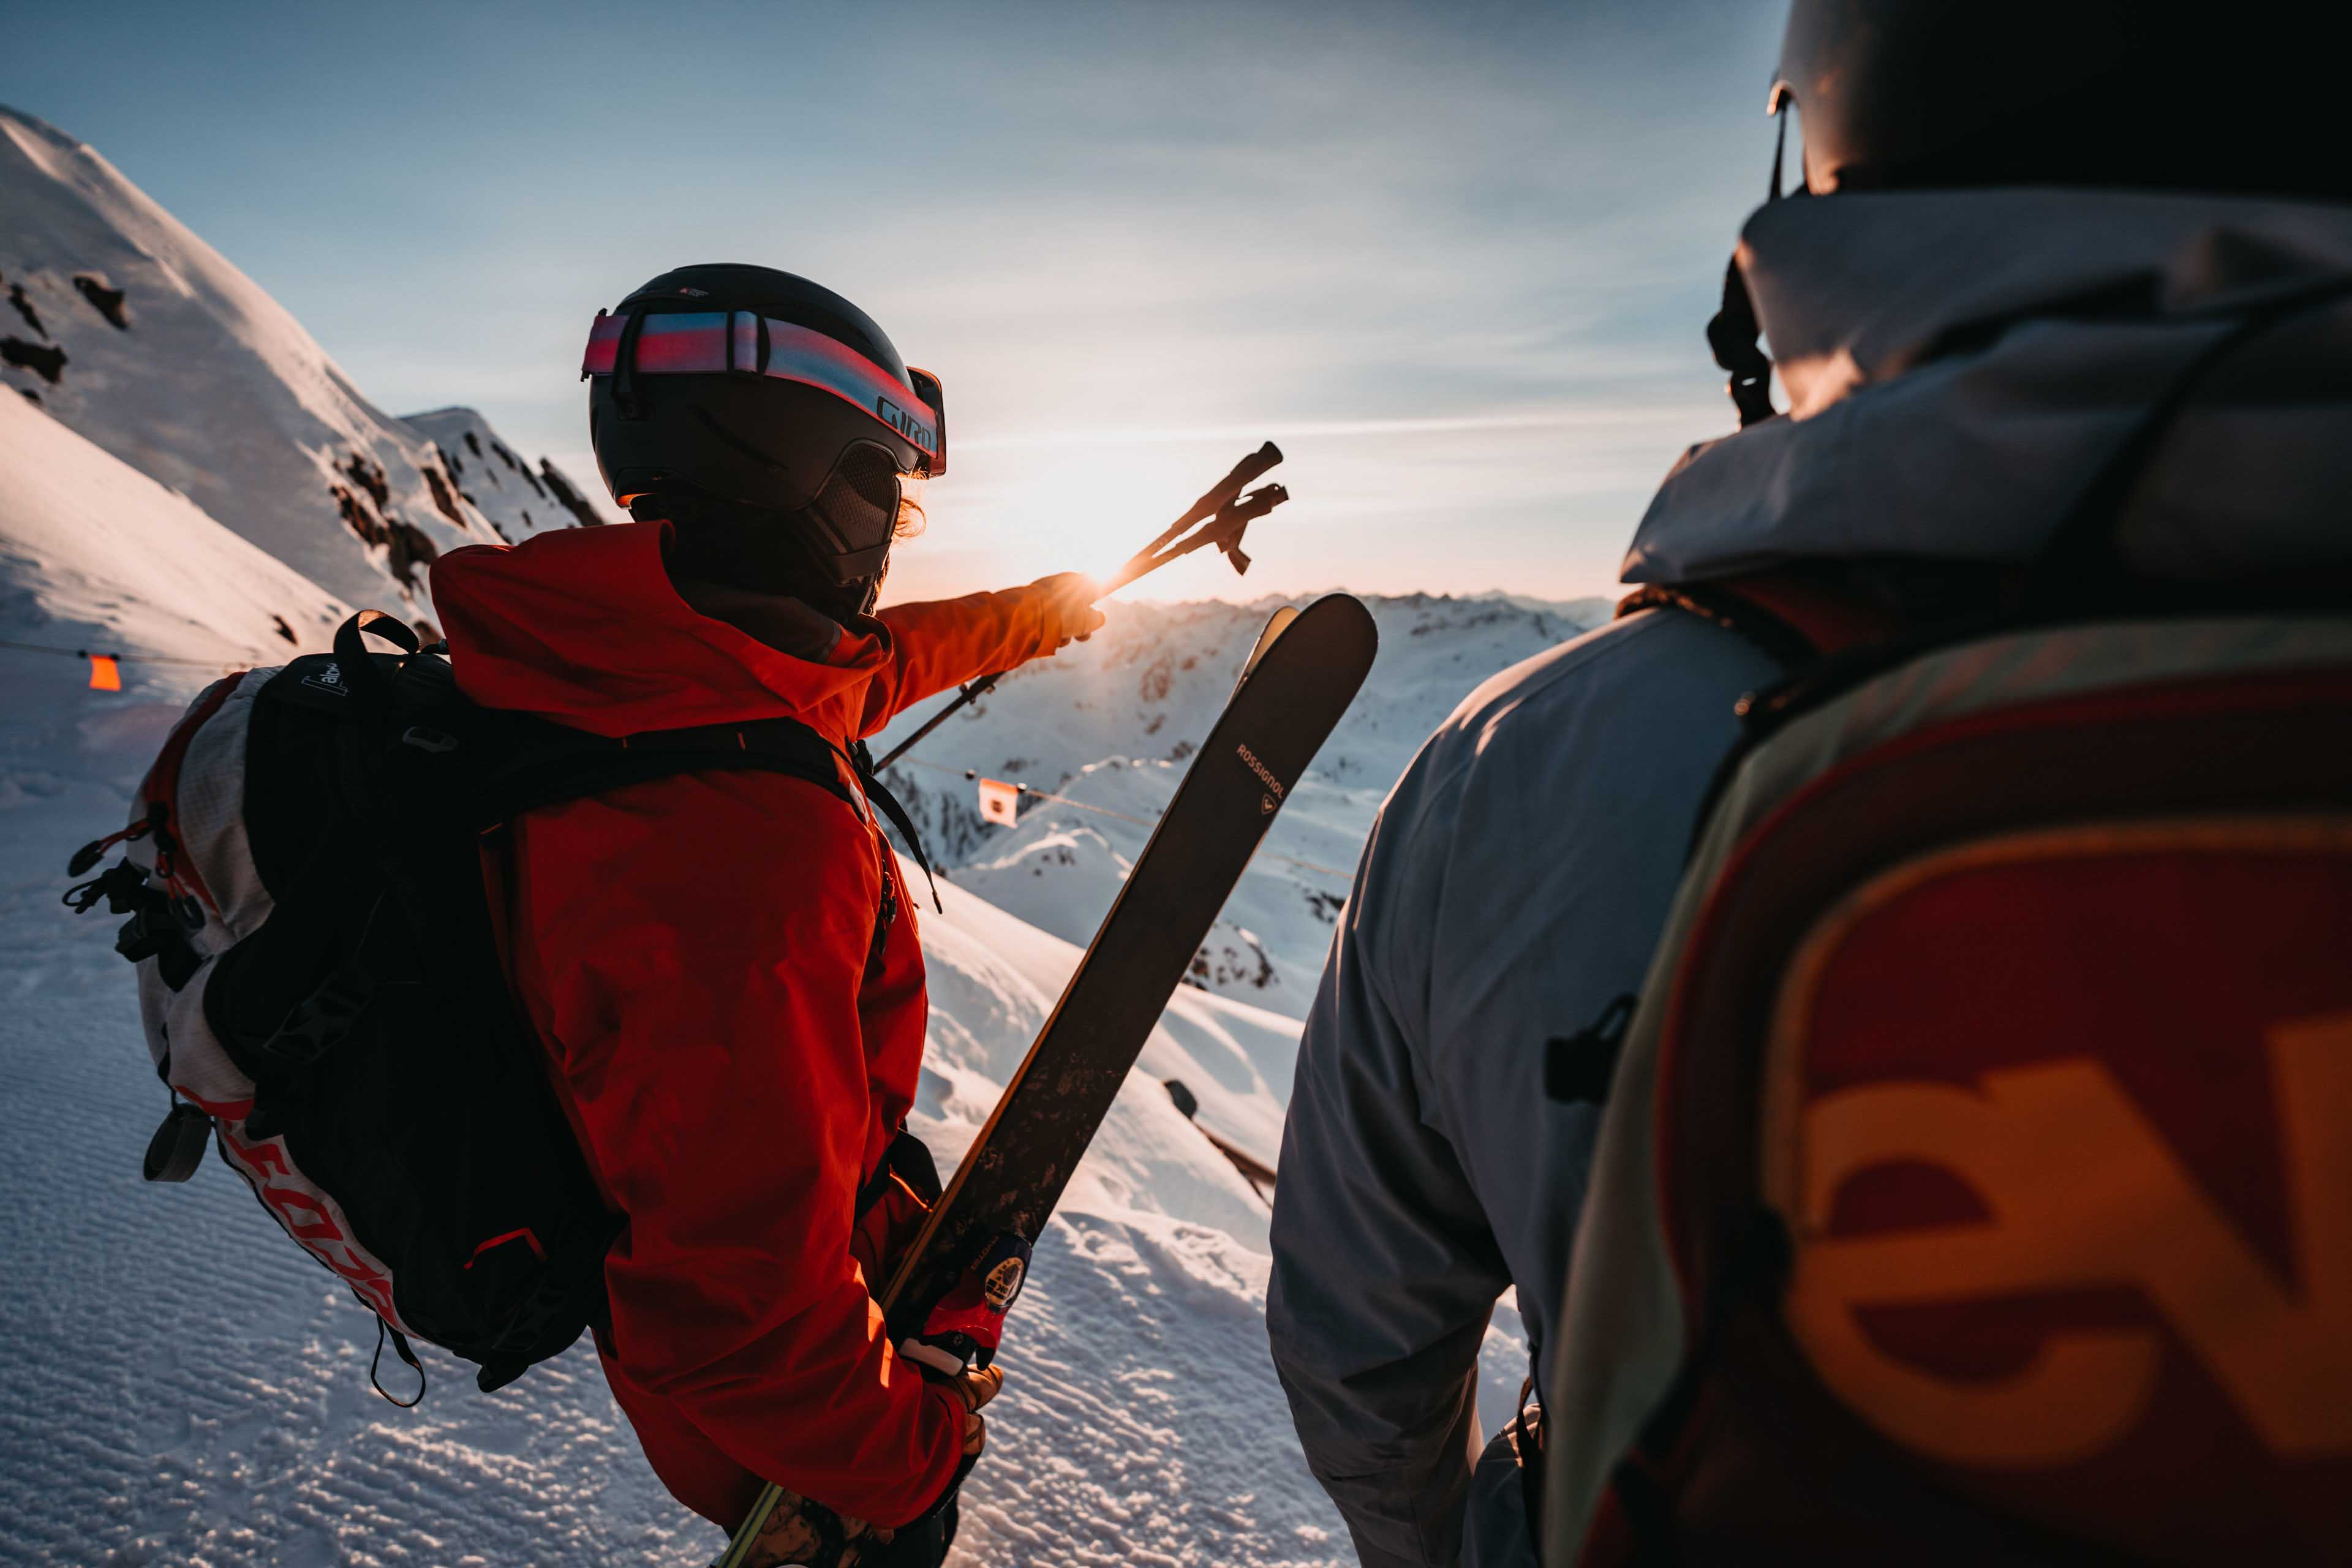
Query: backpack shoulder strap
{"x": 546, "y": 763}
{"x": 1795, "y": 617}
{"x": 551, "y": 763}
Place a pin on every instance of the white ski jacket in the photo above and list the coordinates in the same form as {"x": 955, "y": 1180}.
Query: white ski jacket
{"x": 1958, "y": 367}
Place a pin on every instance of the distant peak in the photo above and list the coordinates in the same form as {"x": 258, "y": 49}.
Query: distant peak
{"x": 41, "y": 128}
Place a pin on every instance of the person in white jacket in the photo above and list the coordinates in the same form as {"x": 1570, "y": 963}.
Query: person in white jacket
{"x": 2022, "y": 222}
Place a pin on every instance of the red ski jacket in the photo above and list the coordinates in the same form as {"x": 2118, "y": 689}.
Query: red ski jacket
{"x": 694, "y": 952}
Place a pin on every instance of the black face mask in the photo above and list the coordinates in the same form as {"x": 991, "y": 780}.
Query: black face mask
{"x": 759, "y": 550}
{"x": 848, "y": 528}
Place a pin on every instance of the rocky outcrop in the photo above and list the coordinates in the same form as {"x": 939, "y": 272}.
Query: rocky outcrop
{"x": 103, "y": 298}
{"x": 45, "y": 360}
{"x": 570, "y": 499}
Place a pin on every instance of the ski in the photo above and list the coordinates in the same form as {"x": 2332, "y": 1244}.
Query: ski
{"x": 947, "y": 1300}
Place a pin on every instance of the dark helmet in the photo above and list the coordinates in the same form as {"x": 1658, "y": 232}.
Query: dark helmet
{"x": 2152, "y": 94}
{"x": 767, "y": 391}
{"x": 2134, "y": 94}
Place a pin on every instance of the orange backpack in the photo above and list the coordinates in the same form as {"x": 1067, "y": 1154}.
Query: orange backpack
{"x": 1975, "y": 1180}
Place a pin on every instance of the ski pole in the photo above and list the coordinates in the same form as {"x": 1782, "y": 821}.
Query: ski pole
{"x": 1228, "y": 513}
{"x": 1219, "y": 495}
{"x": 1224, "y": 532}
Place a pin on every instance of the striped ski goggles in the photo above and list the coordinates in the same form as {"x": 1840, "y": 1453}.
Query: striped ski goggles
{"x": 720, "y": 342}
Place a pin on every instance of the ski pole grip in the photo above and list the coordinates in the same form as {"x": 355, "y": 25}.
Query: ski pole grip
{"x": 1220, "y": 494}
{"x": 1249, "y": 469}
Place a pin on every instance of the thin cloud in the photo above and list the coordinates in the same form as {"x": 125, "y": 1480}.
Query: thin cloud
{"x": 1596, "y": 418}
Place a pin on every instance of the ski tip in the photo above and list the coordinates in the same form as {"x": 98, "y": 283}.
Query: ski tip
{"x": 1342, "y": 609}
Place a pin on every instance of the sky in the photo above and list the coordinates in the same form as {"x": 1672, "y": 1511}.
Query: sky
{"x": 1455, "y": 259}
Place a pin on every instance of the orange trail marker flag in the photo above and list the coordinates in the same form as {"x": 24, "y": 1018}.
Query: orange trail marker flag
{"x": 1000, "y": 803}
{"x": 105, "y": 675}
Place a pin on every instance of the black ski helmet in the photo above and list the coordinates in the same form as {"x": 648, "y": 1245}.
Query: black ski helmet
{"x": 766, "y": 390}
{"x": 2147, "y": 94}
{"x": 2116, "y": 94}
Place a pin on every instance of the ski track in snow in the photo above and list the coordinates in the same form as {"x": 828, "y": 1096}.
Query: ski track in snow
{"x": 181, "y": 1386}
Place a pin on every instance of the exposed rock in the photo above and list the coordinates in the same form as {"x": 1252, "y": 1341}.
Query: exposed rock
{"x": 356, "y": 515}
{"x": 368, "y": 474}
{"x": 444, "y": 501}
{"x": 30, "y": 396}
{"x": 1157, "y": 678}
{"x": 43, "y": 360}
{"x": 410, "y": 547}
{"x": 473, "y": 443}
{"x": 570, "y": 499}
{"x": 24, "y": 309}
{"x": 284, "y": 630}
{"x": 106, "y": 300}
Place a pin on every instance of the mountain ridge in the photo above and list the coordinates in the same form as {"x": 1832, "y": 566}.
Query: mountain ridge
{"x": 126, "y": 327}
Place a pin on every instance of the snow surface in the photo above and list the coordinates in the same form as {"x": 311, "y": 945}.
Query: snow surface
{"x": 180, "y": 1385}
{"x": 95, "y": 554}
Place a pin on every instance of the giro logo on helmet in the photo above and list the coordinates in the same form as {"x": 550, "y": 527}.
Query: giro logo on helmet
{"x": 907, "y": 424}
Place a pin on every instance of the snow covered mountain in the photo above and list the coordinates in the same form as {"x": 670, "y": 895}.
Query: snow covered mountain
{"x": 128, "y": 328}
{"x": 1108, "y": 727}
{"x": 494, "y": 481}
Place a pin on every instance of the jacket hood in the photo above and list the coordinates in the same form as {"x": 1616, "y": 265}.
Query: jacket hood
{"x": 1958, "y": 365}
{"x": 583, "y": 626}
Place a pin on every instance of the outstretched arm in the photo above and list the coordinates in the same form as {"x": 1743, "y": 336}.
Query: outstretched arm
{"x": 944, "y": 642}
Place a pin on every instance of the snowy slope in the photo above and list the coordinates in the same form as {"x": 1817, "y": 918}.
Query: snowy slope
{"x": 1110, "y": 724}
{"x": 95, "y": 554}
{"x": 180, "y": 1387}
{"x": 513, "y": 498}
{"x": 136, "y": 333}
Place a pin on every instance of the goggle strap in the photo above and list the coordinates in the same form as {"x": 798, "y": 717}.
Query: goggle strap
{"x": 716, "y": 342}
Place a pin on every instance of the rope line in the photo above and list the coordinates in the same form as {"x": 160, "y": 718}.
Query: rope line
{"x": 120, "y": 657}
{"x": 1123, "y": 817}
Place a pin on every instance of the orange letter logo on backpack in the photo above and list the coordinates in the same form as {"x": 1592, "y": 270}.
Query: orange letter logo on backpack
{"x": 2084, "y": 1193}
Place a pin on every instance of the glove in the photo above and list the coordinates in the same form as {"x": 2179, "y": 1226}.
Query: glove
{"x": 972, "y": 1388}
{"x": 1067, "y": 601}
{"x": 925, "y": 1542}
{"x": 797, "y": 1532}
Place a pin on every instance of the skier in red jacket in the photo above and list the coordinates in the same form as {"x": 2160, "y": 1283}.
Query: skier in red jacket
{"x": 723, "y": 966}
